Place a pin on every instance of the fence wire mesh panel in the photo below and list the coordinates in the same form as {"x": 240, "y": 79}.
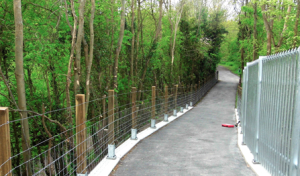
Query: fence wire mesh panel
{"x": 73, "y": 140}
{"x": 269, "y": 112}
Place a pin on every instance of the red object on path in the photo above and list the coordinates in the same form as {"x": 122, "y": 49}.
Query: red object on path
{"x": 227, "y": 125}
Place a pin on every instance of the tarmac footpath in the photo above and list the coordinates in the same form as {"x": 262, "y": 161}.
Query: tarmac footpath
{"x": 194, "y": 144}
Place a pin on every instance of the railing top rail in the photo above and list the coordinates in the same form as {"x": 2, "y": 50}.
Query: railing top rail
{"x": 249, "y": 64}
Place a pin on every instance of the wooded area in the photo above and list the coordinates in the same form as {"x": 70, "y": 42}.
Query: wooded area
{"x": 261, "y": 28}
{"x": 50, "y": 51}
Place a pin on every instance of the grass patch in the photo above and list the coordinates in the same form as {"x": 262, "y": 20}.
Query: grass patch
{"x": 232, "y": 66}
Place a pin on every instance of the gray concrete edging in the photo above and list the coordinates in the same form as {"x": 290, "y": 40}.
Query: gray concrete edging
{"x": 248, "y": 156}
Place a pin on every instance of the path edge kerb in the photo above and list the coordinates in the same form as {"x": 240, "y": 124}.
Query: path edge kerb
{"x": 258, "y": 169}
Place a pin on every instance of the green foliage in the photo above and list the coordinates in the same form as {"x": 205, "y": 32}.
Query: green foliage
{"x": 48, "y": 42}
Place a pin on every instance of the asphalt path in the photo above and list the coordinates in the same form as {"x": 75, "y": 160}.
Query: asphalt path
{"x": 194, "y": 144}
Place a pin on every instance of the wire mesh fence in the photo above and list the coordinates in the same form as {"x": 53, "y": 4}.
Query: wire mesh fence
{"x": 269, "y": 111}
{"x": 74, "y": 140}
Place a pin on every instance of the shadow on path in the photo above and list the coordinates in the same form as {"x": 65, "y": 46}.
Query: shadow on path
{"x": 194, "y": 144}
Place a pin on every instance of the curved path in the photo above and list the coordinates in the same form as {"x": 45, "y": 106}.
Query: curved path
{"x": 194, "y": 144}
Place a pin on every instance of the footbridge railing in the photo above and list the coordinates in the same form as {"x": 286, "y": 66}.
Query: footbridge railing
{"x": 73, "y": 141}
{"x": 269, "y": 111}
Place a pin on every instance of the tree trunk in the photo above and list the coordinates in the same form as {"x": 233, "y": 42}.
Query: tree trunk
{"x": 254, "y": 34}
{"x": 268, "y": 29}
{"x": 111, "y": 44}
{"x": 242, "y": 63}
{"x": 19, "y": 73}
{"x": 138, "y": 37}
{"x": 90, "y": 60}
{"x": 132, "y": 40}
{"x": 121, "y": 35}
{"x": 152, "y": 48}
{"x": 80, "y": 36}
{"x": 175, "y": 31}
{"x": 171, "y": 26}
{"x": 70, "y": 120}
{"x": 284, "y": 28}
{"x": 296, "y": 24}
{"x": 157, "y": 35}
{"x": 48, "y": 90}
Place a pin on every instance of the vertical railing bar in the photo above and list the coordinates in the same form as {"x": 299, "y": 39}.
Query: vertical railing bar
{"x": 287, "y": 88}
{"x": 274, "y": 112}
{"x": 291, "y": 74}
{"x": 255, "y": 160}
{"x": 275, "y": 115}
{"x": 281, "y": 117}
{"x": 269, "y": 122}
{"x": 263, "y": 113}
{"x": 277, "y": 158}
{"x": 245, "y": 104}
{"x": 291, "y": 100}
{"x": 294, "y": 162}
{"x": 270, "y": 119}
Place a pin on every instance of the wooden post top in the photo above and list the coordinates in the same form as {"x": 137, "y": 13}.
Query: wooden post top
{"x": 3, "y": 108}
{"x": 80, "y": 95}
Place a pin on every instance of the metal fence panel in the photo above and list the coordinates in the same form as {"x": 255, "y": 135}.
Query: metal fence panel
{"x": 251, "y": 122}
{"x": 270, "y": 112}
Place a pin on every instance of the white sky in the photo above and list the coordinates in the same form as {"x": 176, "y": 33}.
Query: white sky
{"x": 226, "y": 4}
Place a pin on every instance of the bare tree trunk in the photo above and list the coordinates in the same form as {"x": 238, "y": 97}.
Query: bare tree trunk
{"x": 121, "y": 35}
{"x": 19, "y": 73}
{"x": 157, "y": 35}
{"x": 138, "y": 36}
{"x": 254, "y": 34}
{"x": 169, "y": 10}
{"x": 174, "y": 39}
{"x": 80, "y": 35}
{"x": 296, "y": 24}
{"x": 284, "y": 28}
{"x": 90, "y": 60}
{"x": 48, "y": 90}
{"x": 132, "y": 40}
{"x": 86, "y": 52}
{"x": 70, "y": 120}
{"x": 242, "y": 63}
{"x": 269, "y": 44}
{"x": 269, "y": 31}
{"x": 111, "y": 44}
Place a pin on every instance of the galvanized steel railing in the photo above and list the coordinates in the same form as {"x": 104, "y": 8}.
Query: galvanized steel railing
{"x": 269, "y": 111}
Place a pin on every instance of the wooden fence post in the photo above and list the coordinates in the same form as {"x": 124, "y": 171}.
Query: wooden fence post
{"x": 196, "y": 92}
{"x": 175, "y": 96}
{"x": 191, "y": 94}
{"x": 5, "y": 150}
{"x": 153, "y": 103}
{"x": 103, "y": 133}
{"x": 111, "y": 119}
{"x": 104, "y": 110}
{"x": 133, "y": 109}
{"x": 166, "y": 99}
{"x": 80, "y": 133}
